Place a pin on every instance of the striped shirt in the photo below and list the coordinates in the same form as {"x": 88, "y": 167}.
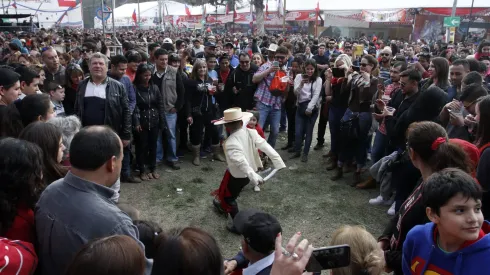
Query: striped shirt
{"x": 263, "y": 94}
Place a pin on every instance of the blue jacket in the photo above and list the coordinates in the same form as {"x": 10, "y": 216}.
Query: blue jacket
{"x": 452, "y": 93}
{"x": 421, "y": 254}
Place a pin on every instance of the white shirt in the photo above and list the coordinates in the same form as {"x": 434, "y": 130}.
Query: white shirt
{"x": 259, "y": 265}
{"x": 22, "y": 95}
{"x": 96, "y": 90}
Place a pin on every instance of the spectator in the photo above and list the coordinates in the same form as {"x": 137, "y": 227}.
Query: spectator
{"x": 116, "y": 254}
{"x": 453, "y": 201}
{"x": 57, "y": 95}
{"x": 133, "y": 60}
{"x": 96, "y": 157}
{"x": 37, "y": 107}
{"x": 439, "y": 75}
{"x": 259, "y": 231}
{"x": 430, "y": 152}
{"x": 483, "y": 143}
{"x": 119, "y": 66}
{"x": 307, "y": 89}
{"x": 258, "y": 59}
{"x": 69, "y": 126}
{"x": 148, "y": 234}
{"x": 290, "y": 103}
{"x": 74, "y": 75}
{"x": 103, "y": 101}
{"x": 148, "y": 121}
{"x": 19, "y": 257}
{"x": 29, "y": 81}
{"x": 48, "y": 138}
{"x": 239, "y": 88}
{"x": 457, "y": 71}
{"x": 171, "y": 87}
{"x": 21, "y": 180}
{"x": 365, "y": 255}
{"x": 202, "y": 111}
{"x": 269, "y": 105}
{"x": 187, "y": 251}
{"x": 9, "y": 92}
{"x": 53, "y": 69}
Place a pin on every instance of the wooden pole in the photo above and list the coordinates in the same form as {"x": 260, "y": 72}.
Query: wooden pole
{"x": 284, "y": 19}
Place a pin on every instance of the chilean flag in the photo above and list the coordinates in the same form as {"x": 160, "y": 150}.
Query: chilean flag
{"x": 187, "y": 10}
{"x": 134, "y": 16}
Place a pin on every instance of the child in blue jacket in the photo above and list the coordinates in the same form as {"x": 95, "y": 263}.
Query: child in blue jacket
{"x": 456, "y": 241}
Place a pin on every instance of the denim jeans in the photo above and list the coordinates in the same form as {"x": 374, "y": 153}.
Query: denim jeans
{"x": 159, "y": 148}
{"x": 357, "y": 149}
{"x": 172, "y": 141}
{"x": 284, "y": 118}
{"x": 274, "y": 117}
{"x": 335, "y": 114}
{"x": 379, "y": 146}
{"x": 126, "y": 165}
{"x": 304, "y": 130}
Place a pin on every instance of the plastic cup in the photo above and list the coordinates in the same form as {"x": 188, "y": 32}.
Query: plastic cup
{"x": 385, "y": 99}
{"x": 221, "y": 86}
{"x": 285, "y": 79}
{"x": 212, "y": 89}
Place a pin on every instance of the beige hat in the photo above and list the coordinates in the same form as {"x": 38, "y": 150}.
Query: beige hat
{"x": 233, "y": 114}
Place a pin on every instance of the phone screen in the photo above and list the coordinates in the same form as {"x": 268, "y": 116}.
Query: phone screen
{"x": 275, "y": 63}
{"x": 329, "y": 258}
{"x": 336, "y": 72}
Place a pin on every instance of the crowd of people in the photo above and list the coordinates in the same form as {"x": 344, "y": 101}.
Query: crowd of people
{"x": 77, "y": 119}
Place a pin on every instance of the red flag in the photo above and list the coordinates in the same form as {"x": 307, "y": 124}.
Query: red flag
{"x": 227, "y": 9}
{"x": 267, "y": 8}
{"x": 14, "y": 5}
{"x": 187, "y": 10}
{"x": 234, "y": 13}
{"x": 134, "y": 16}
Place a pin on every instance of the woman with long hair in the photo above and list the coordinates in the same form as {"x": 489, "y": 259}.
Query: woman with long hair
{"x": 187, "y": 251}
{"x": 21, "y": 184}
{"x": 290, "y": 103}
{"x": 483, "y": 49}
{"x": 338, "y": 98}
{"x": 366, "y": 256}
{"x": 430, "y": 151}
{"x": 439, "y": 75}
{"x": 307, "y": 88}
{"x": 363, "y": 86}
{"x": 39, "y": 69}
{"x": 118, "y": 254}
{"x": 202, "y": 110}
{"x": 483, "y": 143}
{"x": 148, "y": 121}
{"x": 48, "y": 137}
{"x": 74, "y": 75}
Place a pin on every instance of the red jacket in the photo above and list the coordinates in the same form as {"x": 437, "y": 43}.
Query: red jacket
{"x": 17, "y": 257}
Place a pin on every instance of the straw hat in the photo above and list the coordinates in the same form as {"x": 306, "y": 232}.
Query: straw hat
{"x": 233, "y": 114}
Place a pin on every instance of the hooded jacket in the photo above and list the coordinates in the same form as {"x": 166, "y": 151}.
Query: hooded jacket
{"x": 421, "y": 254}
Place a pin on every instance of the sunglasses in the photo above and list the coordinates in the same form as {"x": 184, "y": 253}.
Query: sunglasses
{"x": 364, "y": 64}
{"x": 385, "y": 54}
{"x": 281, "y": 57}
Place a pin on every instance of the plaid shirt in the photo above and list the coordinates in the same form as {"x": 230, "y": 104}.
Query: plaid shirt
{"x": 263, "y": 94}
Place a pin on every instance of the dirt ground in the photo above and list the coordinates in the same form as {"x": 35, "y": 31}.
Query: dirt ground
{"x": 302, "y": 197}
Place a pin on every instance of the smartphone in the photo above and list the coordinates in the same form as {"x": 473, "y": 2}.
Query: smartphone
{"x": 305, "y": 76}
{"x": 329, "y": 258}
{"x": 356, "y": 68}
{"x": 336, "y": 72}
{"x": 275, "y": 64}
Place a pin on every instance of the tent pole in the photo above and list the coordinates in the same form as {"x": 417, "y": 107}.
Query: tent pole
{"x": 284, "y": 19}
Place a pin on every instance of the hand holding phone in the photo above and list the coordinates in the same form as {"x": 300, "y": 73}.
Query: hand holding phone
{"x": 329, "y": 258}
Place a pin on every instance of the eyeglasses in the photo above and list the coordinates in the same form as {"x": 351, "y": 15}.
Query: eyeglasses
{"x": 364, "y": 64}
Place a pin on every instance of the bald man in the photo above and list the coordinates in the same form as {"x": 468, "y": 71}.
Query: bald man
{"x": 52, "y": 67}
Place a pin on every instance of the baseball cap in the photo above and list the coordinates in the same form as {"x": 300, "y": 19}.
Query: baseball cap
{"x": 229, "y": 44}
{"x": 209, "y": 44}
{"x": 167, "y": 41}
{"x": 273, "y": 47}
{"x": 258, "y": 228}
{"x": 9, "y": 77}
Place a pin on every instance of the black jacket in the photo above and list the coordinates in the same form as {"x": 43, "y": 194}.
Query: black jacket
{"x": 117, "y": 113}
{"x": 199, "y": 101}
{"x": 69, "y": 101}
{"x": 242, "y": 81}
{"x": 149, "y": 111}
{"x": 221, "y": 96}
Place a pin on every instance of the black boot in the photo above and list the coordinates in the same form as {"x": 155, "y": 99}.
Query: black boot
{"x": 289, "y": 145}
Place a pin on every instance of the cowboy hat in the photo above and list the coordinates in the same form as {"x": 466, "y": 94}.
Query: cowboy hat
{"x": 233, "y": 114}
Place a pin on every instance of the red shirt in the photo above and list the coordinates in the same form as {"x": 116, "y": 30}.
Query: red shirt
{"x": 23, "y": 226}
{"x": 130, "y": 74}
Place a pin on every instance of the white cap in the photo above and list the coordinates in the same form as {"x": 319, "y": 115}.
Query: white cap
{"x": 272, "y": 47}
{"x": 167, "y": 41}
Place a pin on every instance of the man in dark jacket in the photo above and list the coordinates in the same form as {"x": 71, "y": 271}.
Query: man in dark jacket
{"x": 239, "y": 88}
{"x": 259, "y": 231}
{"x": 102, "y": 100}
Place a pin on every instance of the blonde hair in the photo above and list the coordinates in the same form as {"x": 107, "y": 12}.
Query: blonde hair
{"x": 344, "y": 58}
{"x": 198, "y": 64}
{"x": 364, "y": 250}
